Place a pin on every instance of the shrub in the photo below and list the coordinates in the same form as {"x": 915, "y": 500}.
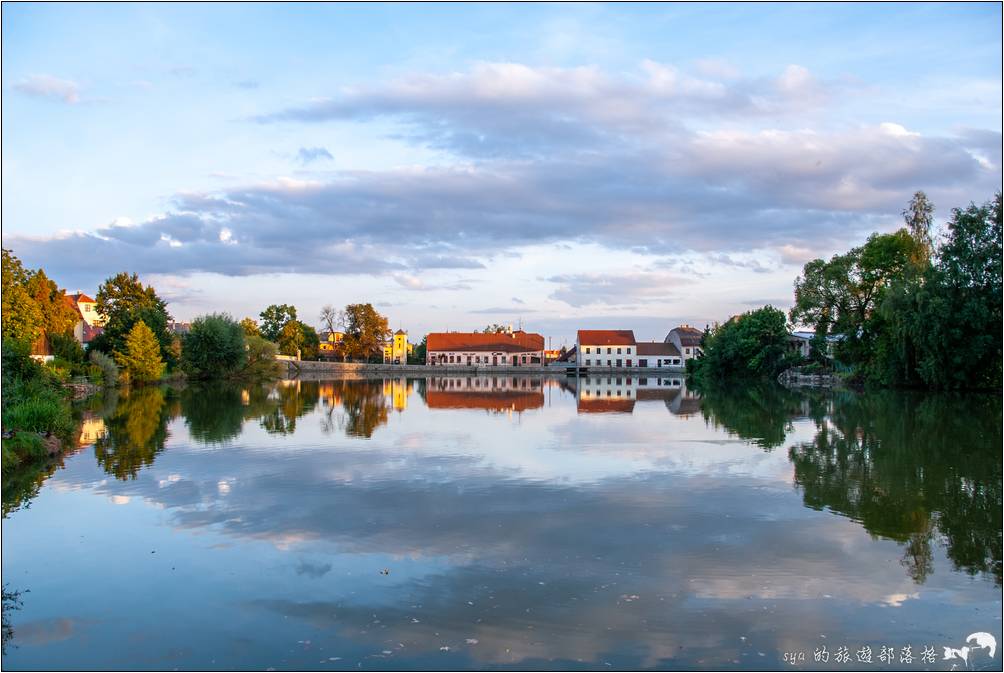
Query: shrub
{"x": 261, "y": 362}
{"x": 214, "y": 347}
{"x": 67, "y": 347}
{"x": 43, "y": 411}
{"x": 107, "y": 369}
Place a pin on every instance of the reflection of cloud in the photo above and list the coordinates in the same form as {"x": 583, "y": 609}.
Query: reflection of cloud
{"x": 314, "y": 570}
{"x": 45, "y": 631}
{"x": 897, "y": 600}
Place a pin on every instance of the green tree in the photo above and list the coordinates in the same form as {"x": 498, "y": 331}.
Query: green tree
{"x": 22, "y": 319}
{"x": 274, "y": 318}
{"x": 260, "y": 363}
{"x": 418, "y": 354}
{"x": 749, "y": 346}
{"x": 214, "y": 347}
{"x": 919, "y": 217}
{"x": 311, "y": 342}
{"x": 140, "y": 359}
{"x": 365, "y": 331}
{"x": 250, "y": 327}
{"x": 291, "y": 338}
{"x": 124, "y": 301}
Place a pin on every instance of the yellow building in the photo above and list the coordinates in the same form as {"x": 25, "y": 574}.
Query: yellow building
{"x": 330, "y": 342}
{"x": 397, "y": 351}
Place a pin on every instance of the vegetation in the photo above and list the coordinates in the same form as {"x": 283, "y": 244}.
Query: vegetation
{"x": 35, "y": 408}
{"x": 910, "y": 313}
{"x": 107, "y": 371}
{"x": 365, "y": 332}
{"x": 250, "y": 327}
{"x": 124, "y": 301}
{"x": 274, "y": 318}
{"x": 140, "y": 359}
{"x": 213, "y": 347}
{"x": 748, "y": 346}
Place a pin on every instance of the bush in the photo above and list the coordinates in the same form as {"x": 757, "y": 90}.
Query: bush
{"x": 66, "y": 347}
{"x": 106, "y": 368}
{"x": 749, "y": 346}
{"x": 214, "y": 347}
{"x": 261, "y": 362}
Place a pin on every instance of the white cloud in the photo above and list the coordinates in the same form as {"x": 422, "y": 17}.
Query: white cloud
{"x": 47, "y": 86}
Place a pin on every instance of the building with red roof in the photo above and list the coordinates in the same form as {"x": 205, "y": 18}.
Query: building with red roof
{"x": 480, "y": 349}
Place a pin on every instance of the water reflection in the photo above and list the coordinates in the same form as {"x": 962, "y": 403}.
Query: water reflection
{"x": 518, "y": 527}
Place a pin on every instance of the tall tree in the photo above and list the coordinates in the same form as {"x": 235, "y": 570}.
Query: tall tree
{"x": 124, "y": 301}
{"x": 274, "y": 318}
{"x": 919, "y": 217}
{"x": 215, "y": 347}
{"x": 250, "y": 327}
{"x": 365, "y": 331}
{"x": 330, "y": 318}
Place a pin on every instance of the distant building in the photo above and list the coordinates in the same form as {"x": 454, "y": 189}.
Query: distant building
{"x": 551, "y": 355}
{"x": 330, "y": 345}
{"x": 89, "y": 323}
{"x": 479, "y": 349}
{"x": 605, "y": 348}
{"x": 397, "y": 350}
{"x": 655, "y": 354}
{"x": 687, "y": 340}
{"x": 179, "y": 328}
{"x": 801, "y": 342}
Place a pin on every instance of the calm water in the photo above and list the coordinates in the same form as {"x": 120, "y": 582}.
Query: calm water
{"x": 509, "y": 523}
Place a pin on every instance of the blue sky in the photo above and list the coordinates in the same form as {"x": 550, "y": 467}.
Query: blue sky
{"x": 565, "y": 165}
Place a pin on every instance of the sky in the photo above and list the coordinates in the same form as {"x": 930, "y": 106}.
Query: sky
{"x": 552, "y": 166}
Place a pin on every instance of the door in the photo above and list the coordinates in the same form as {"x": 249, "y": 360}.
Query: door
{"x": 495, "y": 360}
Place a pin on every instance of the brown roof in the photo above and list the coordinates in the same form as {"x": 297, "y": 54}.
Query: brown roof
{"x": 569, "y": 354}
{"x": 657, "y": 348}
{"x": 606, "y": 337}
{"x": 605, "y": 406}
{"x": 72, "y": 303}
{"x": 500, "y": 400}
{"x": 81, "y": 297}
{"x": 477, "y": 341}
{"x": 689, "y": 336}
{"x": 90, "y": 332}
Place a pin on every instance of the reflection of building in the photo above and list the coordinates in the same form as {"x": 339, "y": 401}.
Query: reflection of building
{"x": 478, "y": 349}
{"x": 598, "y": 394}
{"x": 398, "y": 390}
{"x": 687, "y": 340}
{"x": 92, "y": 428}
{"x": 493, "y": 393}
{"x": 396, "y": 352}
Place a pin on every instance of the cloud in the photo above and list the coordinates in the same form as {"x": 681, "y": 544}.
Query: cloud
{"x": 411, "y": 282}
{"x": 503, "y": 309}
{"x": 308, "y": 155}
{"x": 247, "y": 84}
{"x": 616, "y": 289}
{"x": 47, "y": 86}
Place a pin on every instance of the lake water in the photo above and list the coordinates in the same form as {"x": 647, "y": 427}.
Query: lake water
{"x": 507, "y": 522}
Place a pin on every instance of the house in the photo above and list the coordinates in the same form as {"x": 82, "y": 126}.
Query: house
{"x": 90, "y": 323}
{"x": 801, "y": 342}
{"x": 479, "y": 349}
{"x": 330, "y": 343}
{"x": 605, "y": 348}
{"x": 687, "y": 340}
{"x": 179, "y": 328}
{"x": 397, "y": 350}
{"x": 656, "y": 355}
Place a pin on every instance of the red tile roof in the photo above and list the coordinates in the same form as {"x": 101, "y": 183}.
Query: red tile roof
{"x": 81, "y": 297}
{"x": 657, "y": 348}
{"x": 605, "y": 406}
{"x": 90, "y": 332}
{"x": 478, "y": 341}
{"x": 500, "y": 400}
{"x": 606, "y": 337}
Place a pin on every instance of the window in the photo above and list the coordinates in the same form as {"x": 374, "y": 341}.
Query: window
{"x": 686, "y": 351}
{"x": 618, "y": 363}
{"x": 589, "y": 362}
{"x": 628, "y": 363}
{"x": 618, "y": 351}
{"x": 587, "y": 350}
{"x": 608, "y": 351}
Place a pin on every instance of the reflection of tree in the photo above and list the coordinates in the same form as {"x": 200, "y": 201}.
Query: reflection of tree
{"x": 135, "y": 431}
{"x": 21, "y": 483}
{"x": 363, "y": 403}
{"x": 906, "y": 466}
{"x": 11, "y": 602}
{"x": 759, "y": 413}
{"x": 213, "y": 412}
{"x": 294, "y": 399}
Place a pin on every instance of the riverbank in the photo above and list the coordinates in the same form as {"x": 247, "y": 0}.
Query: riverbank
{"x": 299, "y": 368}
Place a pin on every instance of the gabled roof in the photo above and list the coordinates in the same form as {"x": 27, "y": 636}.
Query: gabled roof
{"x": 81, "y": 297}
{"x": 569, "y": 354}
{"x": 606, "y": 337}
{"x": 497, "y": 400}
{"x": 479, "y": 341}
{"x": 72, "y": 303}
{"x": 657, "y": 348}
{"x": 401, "y": 331}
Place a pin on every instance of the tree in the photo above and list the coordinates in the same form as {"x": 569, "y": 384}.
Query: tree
{"x": 919, "y": 216}
{"x": 494, "y": 328}
{"x": 331, "y": 318}
{"x": 260, "y": 362}
{"x": 365, "y": 331}
{"x": 124, "y": 301}
{"x": 250, "y": 327}
{"x": 274, "y": 318}
{"x": 214, "y": 347}
{"x": 311, "y": 342}
{"x": 291, "y": 338}
{"x": 140, "y": 359}
{"x": 748, "y": 346}
{"x": 33, "y": 305}
{"x": 418, "y": 353}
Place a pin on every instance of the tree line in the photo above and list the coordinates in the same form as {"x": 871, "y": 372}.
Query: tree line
{"x": 903, "y": 309}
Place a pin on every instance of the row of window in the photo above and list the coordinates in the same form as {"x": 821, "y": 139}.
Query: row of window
{"x": 641, "y": 363}
{"x": 485, "y": 359}
{"x": 599, "y": 351}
